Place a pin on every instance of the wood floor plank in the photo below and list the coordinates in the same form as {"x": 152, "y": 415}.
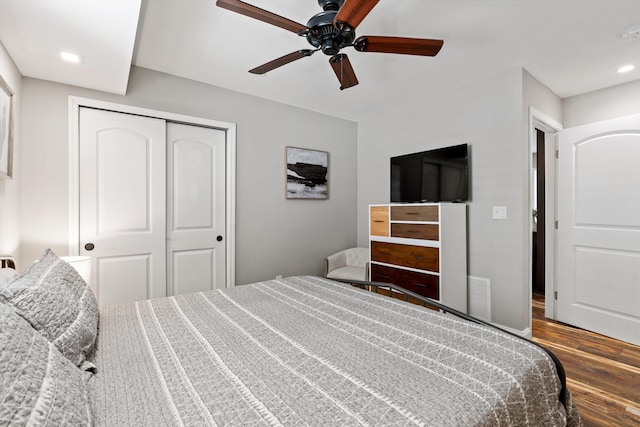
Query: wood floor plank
{"x": 584, "y": 340}
{"x": 603, "y": 374}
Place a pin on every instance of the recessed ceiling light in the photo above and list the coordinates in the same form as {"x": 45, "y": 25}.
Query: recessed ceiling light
{"x": 626, "y": 68}
{"x": 70, "y": 57}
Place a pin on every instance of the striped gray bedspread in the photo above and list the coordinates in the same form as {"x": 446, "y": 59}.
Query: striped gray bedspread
{"x": 310, "y": 351}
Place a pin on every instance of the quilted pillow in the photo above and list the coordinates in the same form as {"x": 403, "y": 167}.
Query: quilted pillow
{"x": 38, "y": 385}
{"x": 57, "y": 302}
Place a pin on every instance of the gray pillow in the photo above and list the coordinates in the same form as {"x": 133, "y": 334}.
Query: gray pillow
{"x": 57, "y": 302}
{"x": 38, "y": 385}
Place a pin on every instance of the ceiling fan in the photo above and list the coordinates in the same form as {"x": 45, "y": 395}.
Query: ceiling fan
{"x": 330, "y": 31}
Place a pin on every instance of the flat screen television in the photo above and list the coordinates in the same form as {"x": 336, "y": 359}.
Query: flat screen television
{"x": 440, "y": 175}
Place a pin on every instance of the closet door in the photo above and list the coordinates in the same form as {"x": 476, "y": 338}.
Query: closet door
{"x": 122, "y": 204}
{"x": 196, "y": 238}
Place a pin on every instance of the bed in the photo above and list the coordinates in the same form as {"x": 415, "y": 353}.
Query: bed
{"x": 295, "y": 351}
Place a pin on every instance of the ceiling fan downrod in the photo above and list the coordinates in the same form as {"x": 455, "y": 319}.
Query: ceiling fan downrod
{"x": 330, "y": 4}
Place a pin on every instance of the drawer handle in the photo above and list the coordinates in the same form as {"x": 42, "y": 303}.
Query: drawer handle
{"x": 420, "y": 258}
{"x": 412, "y": 213}
{"x": 378, "y": 220}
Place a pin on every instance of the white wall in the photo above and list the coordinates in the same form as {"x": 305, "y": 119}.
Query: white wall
{"x": 10, "y": 189}
{"x": 541, "y": 98}
{"x": 489, "y": 117}
{"x": 604, "y": 104}
{"x": 274, "y": 235}
{"x": 548, "y": 109}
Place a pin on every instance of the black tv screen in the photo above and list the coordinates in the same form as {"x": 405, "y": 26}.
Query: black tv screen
{"x": 440, "y": 175}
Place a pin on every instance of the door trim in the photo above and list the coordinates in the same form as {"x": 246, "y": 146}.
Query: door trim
{"x": 550, "y": 127}
{"x": 75, "y": 103}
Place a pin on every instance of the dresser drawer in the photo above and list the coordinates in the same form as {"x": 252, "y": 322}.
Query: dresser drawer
{"x": 379, "y": 220}
{"x": 420, "y": 257}
{"x": 423, "y": 284}
{"x": 414, "y": 213}
{"x": 416, "y": 231}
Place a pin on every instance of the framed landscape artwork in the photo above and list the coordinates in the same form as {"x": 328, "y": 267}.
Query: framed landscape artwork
{"x": 6, "y": 130}
{"x": 307, "y": 172}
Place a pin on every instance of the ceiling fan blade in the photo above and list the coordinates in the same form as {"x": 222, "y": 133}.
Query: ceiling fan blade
{"x": 353, "y": 12}
{"x": 283, "y": 60}
{"x": 402, "y": 45}
{"x": 344, "y": 71}
{"x": 261, "y": 15}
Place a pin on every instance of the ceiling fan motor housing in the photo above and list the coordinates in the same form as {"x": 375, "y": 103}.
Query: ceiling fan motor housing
{"x": 323, "y": 34}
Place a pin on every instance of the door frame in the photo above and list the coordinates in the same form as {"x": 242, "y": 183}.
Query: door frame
{"x": 550, "y": 127}
{"x": 75, "y": 103}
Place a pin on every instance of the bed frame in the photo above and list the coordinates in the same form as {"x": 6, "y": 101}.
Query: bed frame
{"x": 395, "y": 291}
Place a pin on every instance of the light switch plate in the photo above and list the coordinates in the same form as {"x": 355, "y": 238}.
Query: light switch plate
{"x": 499, "y": 212}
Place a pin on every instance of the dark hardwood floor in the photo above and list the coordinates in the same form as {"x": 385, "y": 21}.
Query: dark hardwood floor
{"x": 603, "y": 374}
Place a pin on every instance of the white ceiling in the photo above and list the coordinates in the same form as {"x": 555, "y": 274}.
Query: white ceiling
{"x": 571, "y": 46}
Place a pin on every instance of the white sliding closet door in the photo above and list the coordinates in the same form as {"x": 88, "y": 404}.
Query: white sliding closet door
{"x": 196, "y": 209}
{"x": 152, "y": 205}
{"x": 122, "y": 204}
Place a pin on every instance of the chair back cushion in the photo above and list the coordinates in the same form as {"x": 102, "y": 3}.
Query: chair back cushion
{"x": 358, "y": 257}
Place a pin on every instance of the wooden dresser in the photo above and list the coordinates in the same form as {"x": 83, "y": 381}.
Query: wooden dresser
{"x": 421, "y": 247}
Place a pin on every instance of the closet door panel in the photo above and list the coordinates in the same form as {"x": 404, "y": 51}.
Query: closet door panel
{"x": 122, "y": 204}
{"x": 196, "y": 241}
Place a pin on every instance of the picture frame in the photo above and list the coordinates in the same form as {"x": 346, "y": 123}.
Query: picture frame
{"x": 6, "y": 129}
{"x": 307, "y": 173}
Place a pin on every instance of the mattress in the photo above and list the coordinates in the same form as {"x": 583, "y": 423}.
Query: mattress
{"x": 311, "y": 351}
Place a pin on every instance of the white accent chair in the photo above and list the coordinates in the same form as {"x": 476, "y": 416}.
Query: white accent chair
{"x": 349, "y": 264}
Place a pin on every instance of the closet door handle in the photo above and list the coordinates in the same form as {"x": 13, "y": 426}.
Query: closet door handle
{"x": 89, "y": 246}
{"x": 219, "y": 238}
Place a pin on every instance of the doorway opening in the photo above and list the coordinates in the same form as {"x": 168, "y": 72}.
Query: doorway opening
{"x": 542, "y": 208}
{"x": 538, "y": 215}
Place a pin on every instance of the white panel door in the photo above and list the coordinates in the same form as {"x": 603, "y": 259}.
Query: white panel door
{"x": 122, "y": 204}
{"x": 599, "y": 228}
{"x": 196, "y": 241}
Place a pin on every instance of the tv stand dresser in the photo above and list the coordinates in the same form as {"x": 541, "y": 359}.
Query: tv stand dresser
{"x": 421, "y": 247}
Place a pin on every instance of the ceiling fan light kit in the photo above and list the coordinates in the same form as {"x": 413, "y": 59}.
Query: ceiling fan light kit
{"x": 332, "y": 30}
